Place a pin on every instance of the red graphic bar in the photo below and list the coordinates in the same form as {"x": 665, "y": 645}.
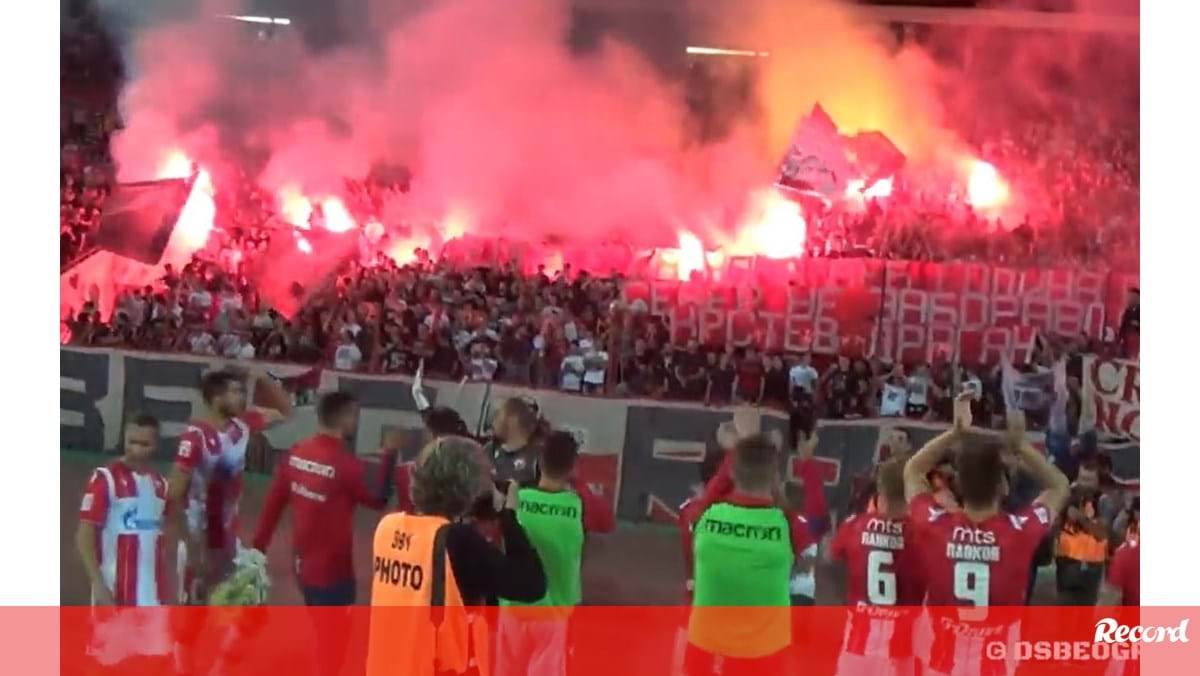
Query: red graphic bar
{"x": 618, "y": 640}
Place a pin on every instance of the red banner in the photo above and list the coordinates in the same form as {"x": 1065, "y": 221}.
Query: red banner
{"x": 969, "y": 312}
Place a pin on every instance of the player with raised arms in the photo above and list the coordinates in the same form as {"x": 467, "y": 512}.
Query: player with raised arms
{"x": 206, "y": 480}
{"x": 745, "y": 550}
{"x": 883, "y": 574}
{"x": 978, "y": 556}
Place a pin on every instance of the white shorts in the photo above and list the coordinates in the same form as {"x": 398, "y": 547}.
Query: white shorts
{"x": 534, "y": 647}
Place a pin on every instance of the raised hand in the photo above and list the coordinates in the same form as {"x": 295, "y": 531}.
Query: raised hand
{"x": 962, "y": 411}
{"x": 1014, "y": 427}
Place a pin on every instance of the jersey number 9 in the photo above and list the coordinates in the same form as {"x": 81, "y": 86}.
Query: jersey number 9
{"x": 971, "y": 582}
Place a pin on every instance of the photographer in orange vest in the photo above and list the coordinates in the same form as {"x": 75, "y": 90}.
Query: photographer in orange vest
{"x": 432, "y": 571}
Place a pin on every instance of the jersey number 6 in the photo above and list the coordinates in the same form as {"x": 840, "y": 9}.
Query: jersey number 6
{"x": 881, "y": 584}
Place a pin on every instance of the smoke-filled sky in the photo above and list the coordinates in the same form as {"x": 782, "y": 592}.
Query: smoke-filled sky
{"x": 498, "y": 118}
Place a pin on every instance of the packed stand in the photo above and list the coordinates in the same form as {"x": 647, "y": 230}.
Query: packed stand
{"x": 90, "y": 77}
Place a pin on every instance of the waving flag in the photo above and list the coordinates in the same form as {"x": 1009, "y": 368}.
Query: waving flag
{"x": 139, "y": 218}
{"x": 874, "y": 155}
{"x": 815, "y": 162}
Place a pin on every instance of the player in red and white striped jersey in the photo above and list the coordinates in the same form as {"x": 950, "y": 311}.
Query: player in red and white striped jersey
{"x": 120, "y": 536}
{"x": 884, "y": 582}
{"x": 978, "y": 557}
{"x": 206, "y": 481}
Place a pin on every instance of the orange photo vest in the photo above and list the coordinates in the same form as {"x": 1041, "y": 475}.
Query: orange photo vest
{"x": 419, "y": 626}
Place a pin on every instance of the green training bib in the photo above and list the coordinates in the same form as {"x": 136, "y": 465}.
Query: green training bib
{"x": 743, "y": 557}
{"x": 554, "y": 524}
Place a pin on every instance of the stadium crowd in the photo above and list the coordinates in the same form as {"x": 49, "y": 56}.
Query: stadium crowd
{"x": 91, "y": 71}
{"x": 563, "y": 331}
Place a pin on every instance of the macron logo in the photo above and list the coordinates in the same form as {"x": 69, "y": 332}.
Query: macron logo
{"x": 1109, "y": 631}
{"x": 935, "y": 513}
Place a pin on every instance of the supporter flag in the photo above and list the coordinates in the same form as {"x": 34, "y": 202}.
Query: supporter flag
{"x": 815, "y": 161}
{"x": 1032, "y": 391}
{"x": 139, "y": 218}
{"x": 874, "y": 155}
{"x": 302, "y": 386}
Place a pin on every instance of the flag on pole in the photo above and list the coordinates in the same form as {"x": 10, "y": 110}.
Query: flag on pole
{"x": 815, "y": 161}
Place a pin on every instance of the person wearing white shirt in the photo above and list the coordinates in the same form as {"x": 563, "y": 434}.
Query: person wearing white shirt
{"x": 229, "y": 345}
{"x": 262, "y": 321}
{"x": 573, "y": 371}
{"x": 200, "y": 298}
{"x": 202, "y": 342}
{"x": 347, "y": 356}
{"x": 247, "y": 350}
{"x": 893, "y": 393}
{"x": 803, "y": 378}
{"x": 230, "y": 300}
{"x": 918, "y": 392}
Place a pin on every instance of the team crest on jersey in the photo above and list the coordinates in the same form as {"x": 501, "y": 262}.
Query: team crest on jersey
{"x": 185, "y": 448}
{"x": 519, "y": 463}
{"x": 87, "y": 502}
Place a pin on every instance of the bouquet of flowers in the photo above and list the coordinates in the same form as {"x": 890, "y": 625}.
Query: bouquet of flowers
{"x": 249, "y": 584}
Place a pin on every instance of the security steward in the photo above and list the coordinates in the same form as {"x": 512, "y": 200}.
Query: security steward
{"x": 432, "y": 571}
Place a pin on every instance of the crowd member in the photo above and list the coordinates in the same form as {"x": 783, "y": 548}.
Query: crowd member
{"x": 430, "y": 567}
{"x": 740, "y": 623}
{"x": 882, "y": 567}
{"x": 1123, "y": 583}
{"x": 206, "y": 479}
{"x": 722, "y": 380}
{"x": 802, "y": 378}
{"x": 556, "y": 514}
{"x": 1130, "y": 330}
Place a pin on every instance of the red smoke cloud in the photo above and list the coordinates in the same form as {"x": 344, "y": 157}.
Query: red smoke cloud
{"x": 499, "y": 120}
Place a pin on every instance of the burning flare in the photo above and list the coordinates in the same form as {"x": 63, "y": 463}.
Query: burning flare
{"x": 337, "y": 218}
{"x": 985, "y": 188}
{"x": 294, "y": 207}
{"x": 175, "y": 165}
{"x": 774, "y": 228}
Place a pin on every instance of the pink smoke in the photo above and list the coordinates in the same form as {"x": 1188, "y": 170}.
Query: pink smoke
{"x": 509, "y": 134}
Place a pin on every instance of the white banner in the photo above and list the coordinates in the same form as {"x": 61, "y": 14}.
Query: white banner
{"x": 1112, "y": 397}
